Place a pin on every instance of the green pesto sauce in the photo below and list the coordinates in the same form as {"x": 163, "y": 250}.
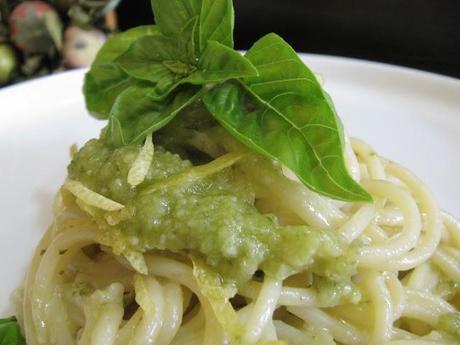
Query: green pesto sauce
{"x": 213, "y": 219}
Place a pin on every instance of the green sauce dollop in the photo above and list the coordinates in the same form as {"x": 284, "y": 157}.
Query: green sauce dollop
{"x": 213, "y": 218}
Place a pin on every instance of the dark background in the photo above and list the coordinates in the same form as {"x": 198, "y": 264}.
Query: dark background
{"x": 423, "y": 34}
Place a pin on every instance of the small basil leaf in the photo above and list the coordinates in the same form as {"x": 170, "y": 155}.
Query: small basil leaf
{"x": 119, "y": 43}
{"x": 149, "y": 58}
{"x": 172, "y": 16}
{"x": 188, "y": 40}
{"x": 165, "y": 86}
{"x": 217, "y": 64}
{"x": 217, "y": 20}
{"x": 157, "y": 57}
{"x": 179, "y": 68}
{"x": 135, "y": 114}
{"x": 10, "y": 333}
{"x": 103, "y": 84}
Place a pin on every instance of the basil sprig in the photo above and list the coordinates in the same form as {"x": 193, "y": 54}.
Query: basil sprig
{"x": 267, "y": 99}
{"x": 10, "y": 333}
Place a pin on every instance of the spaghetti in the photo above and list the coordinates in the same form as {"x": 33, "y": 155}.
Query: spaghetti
{"x": 404, "y": 287}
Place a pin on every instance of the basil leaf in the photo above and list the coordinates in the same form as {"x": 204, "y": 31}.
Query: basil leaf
{"x": 103, "y": 84}
{"x": 216, "y": 19}
{"x": 158, "y": 59}
{"x": 153, "y": 58}
{"x": 105, "y": 81}
{"x": 10, "y": 333}
{"x": 119, "y": 43}
{"x": 172, "y": 16}
{"x": 167, "y": 60}
{"x": 135, "y": 114}
{"x": 285, "y": 115}
{"x": 309, "y": 151}
{"x": 217, "y": 64}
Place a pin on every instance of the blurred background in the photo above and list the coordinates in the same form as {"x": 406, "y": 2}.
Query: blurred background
{"x": 423, "y": 34}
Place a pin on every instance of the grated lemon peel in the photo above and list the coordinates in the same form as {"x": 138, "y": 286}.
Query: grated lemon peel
{"x": 91, "y": 198}
{"x": 141, "y": 165}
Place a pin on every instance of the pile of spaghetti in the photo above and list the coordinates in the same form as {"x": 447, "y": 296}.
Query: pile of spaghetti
{"x": 403, "y": 279}
{"x": 224, "y": 204}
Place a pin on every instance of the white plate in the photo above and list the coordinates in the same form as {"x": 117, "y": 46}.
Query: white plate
{"x": 412, "y": 117}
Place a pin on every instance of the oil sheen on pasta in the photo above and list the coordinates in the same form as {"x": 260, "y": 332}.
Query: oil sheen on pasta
{"x": 212, "y": 218}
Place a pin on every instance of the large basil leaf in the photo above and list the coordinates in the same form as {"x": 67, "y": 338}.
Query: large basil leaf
{"x": 10, "y": 333}
{"x": 135, "y": 114}
{"x": 119, "y": 43}
{"x": 284, "y": 114}
{"x": 216, "y": 19}
{"x": 102, "y": 86}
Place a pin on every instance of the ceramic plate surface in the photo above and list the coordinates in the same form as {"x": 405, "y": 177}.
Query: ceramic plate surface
{"x": 409, "y": 116}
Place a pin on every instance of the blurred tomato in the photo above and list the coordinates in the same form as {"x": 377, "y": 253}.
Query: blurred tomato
{"x": 35, "y": 27}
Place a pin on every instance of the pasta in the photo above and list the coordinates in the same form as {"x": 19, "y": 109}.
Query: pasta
{"x": 78, "y": 291}
{"x": 223, "y": 204}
